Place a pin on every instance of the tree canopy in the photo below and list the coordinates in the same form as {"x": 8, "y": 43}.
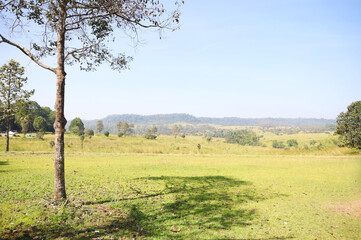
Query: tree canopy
{"x": 100, "y": 126}
{"x": 349, "y": 125}
{"x": 12, "y": 94}
{"x": 77, "y": 126}
{"x": 39, "y": 124}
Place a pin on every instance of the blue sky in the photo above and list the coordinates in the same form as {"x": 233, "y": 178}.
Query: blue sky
{"x": 255, "y": 58}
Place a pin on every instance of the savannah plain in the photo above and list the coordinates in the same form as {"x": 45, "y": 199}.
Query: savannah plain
{"x": 182, "y": 188}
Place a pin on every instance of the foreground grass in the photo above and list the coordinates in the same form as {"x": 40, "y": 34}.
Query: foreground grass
{"x": 183, "y": 196}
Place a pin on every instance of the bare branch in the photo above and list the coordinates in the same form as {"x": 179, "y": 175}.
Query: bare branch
{"x": 79, "y": 50}
{"x": 81, "y": 20}
{"x": 27, "y": 53}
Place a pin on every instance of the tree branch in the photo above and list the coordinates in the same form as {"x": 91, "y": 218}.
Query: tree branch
{"x": 27, "y": 53}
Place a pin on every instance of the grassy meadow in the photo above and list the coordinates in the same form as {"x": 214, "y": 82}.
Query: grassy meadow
{"x": 168, "y": 188}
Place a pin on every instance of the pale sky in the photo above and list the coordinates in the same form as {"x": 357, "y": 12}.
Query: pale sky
{"x": 254, "y": 58}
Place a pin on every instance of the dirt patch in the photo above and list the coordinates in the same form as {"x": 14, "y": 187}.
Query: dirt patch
{"x": 352, "y": 207}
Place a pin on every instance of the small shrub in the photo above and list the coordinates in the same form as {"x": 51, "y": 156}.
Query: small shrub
{"x": 243, "y": 137}
{"x": 319, "y": 146}
{"x": 199, "y": 146}
{"x": 106, "y": 133}
{"x": 278, "y": 144}
{"x": 89, "y": 132}
{"x": 120, "y": 134}
{"x": 313, "y": 142}
{"x": 151, "y": 133}
{"x": 209, "y": 139}
{"x": 305, "y": 147}
{"x": 150, "y": 136}
{"x": 292, "y": 143}
{"x": 51, "y": 144}
{"x": 182, "y": 135}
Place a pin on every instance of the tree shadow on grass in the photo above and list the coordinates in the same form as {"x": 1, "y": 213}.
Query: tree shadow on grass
{"x": 172, "y": 208}
{"x": 4, "y": 163}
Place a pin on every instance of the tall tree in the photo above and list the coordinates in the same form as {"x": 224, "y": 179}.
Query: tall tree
{"x": 119, "y": 126}
{"x": 175, "y": 131}
{"x": 349, "y": 125}
{"x": 127, "y": 128}
{"x": 100, "y": 126}
{"x": 25, "y": 124}
{"x": 39, "y": 124}
{"x": 12, "y": 94}
{"x": 77, "y": 32}
{"x": 77, "y": 126}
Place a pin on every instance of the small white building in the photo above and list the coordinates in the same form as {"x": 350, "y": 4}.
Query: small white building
{"x": 11, "y": 134}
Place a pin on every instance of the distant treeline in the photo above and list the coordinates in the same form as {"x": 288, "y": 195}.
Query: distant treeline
{"x": 191, "y": 125}
{"x": 164, "y": 119}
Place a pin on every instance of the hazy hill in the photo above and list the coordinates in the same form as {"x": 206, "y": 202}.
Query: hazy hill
{"x": 166, "y": 119}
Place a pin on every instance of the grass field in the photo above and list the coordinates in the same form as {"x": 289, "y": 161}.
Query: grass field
{"x": 166, "y": 189}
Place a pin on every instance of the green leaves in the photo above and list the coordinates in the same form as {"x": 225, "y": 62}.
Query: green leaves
{"x": 349, "y": 125}
{"x": 12, "y": 94}
{"x": 77, "y": 126}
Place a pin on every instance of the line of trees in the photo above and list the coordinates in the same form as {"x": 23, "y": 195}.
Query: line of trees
{"x": 37, "y": 119}
{"x": 30, "y": 118}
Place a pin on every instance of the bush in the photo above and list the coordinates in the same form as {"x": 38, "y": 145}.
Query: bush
{"x": 106, "y": 133}
{"x": 292, "y": 143}
{"x": 150, "y": 136}
{"x": 278, "y": 144}
{"x": 243, "y": 137}
{"x": 182, "y": 135}
{"x": 120, "y": 134}
{"x": 51, "y": 144}
{"x": 209, "y": 139}
{"x": 89, "y": 132}
{"x": 199, "y": 146}
{"x": 151, "y": 133}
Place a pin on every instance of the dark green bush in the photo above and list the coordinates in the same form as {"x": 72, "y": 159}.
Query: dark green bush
{"x": 278, "y": 144}
{"x": 243, "y": 137}
{"x": 150, "y": 136}
{"x": 292, "y": 143}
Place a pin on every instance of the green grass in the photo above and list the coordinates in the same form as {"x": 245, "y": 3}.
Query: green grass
{"x": 166, "y": 189}
{"x": 169, "y": 145}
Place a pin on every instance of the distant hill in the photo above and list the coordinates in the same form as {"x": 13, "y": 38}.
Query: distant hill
{"x": 166, "y": 119}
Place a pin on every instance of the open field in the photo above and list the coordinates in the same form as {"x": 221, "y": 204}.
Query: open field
{"x": 168, "y": 145}
{"x": 166, "y": 189}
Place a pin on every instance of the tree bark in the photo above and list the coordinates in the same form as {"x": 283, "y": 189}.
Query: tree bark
{"x": 60, "y": 121}
{"x": 7, "y": 133}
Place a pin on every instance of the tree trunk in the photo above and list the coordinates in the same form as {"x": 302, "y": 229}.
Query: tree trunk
{"x": 60, "y": 121}
{"x": 7, "y": 133}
